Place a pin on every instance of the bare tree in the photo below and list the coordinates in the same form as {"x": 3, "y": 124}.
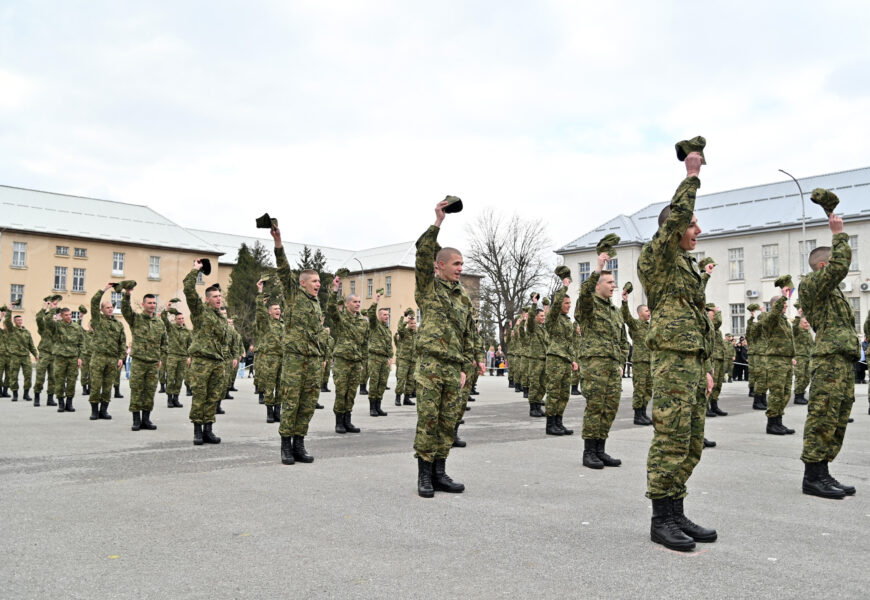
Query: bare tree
{"x": 509, "y": 252}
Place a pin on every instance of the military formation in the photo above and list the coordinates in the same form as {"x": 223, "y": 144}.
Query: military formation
{"x": 679, "y": 357}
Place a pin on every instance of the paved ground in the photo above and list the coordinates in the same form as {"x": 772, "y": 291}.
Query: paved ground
{"x": 94, "y": 510}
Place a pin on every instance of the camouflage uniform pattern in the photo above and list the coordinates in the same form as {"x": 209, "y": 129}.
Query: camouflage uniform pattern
{"x": 178, "y": 339}
{"x": 641, "y": 378}
{"x": 18, "y": 347}
{"x": 832, "y": 389}
{"x": 380, "y": 353}
{"x": 45, "y": 365}
{"x": 68, "y": 347}
{"x": 329, "y": 349}
{"x": 351, "y": 337}
{"x": 110, "y": 346}
{"x": 803, "y": 348}
{"x": 576, "y": 376}
{"x": 405, "y": 357}
{"x": 778, "y": 357}
{"x": 718, "y": 358}
{"x": 87, "y": 351}
{"x": 149, "y": 344}
{"x": 270, "y": 336}
{"x": 537, "y": 342}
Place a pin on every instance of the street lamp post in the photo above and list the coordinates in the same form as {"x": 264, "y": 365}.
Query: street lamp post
{"x": 361, "y": 270}
{"x": 803, "y": 213}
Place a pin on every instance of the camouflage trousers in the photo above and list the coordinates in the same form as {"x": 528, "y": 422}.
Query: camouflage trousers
{"x": 439, "y": 407}
{"x": 379, "y": 371}
{"x": 143, "y": 384}
{"x": 300, "y": 389}
{"x": 718, "y": 378}
{"x": 162, "y": 376}
{"x": 558, "y": 372}
{"x": 118, "y": 376}
{"x": 525, "y": 371}
{"x": 761, "y": 375}
{"x": 85, "y": 372}
{"x": 269, "y": 372}
{"x": 465, "y": 391}
{"x": 642, "y": 382}
{"x": 44, "y": 371}
{"x": 364, "y": 371}
{"x": 4, "y": 370}
{"x": 404, "y": 376}
{"x": 103, "y": 371}
{"x": 575, "y": 377}
{"x": 832, "y": 394}
{"x": 16, "y": 364}
{"x": 66, "y": 370}
{"x": 474, "y": 376}
{"x": 176, "y": 367}
{"x": 537, "y": 379}
{"x": 752, "y": 370}
{"x": 324, "y": 375}
{"x": 679, "y": 410}
{"x": 346, "y": 374}
{"x": 207, "y": 382}
{"x": 602, "y": 386}
{"x": 779, "y": 377}
{"x": 230, "y": 373}
{"x": 801, "y": 374}
{"x": 257, "y": 387}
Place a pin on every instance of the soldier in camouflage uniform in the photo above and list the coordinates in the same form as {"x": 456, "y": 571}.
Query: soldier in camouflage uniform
{"x": 867, "y": 338}
{"x": 380, "y": 356}
{"x": 149, "y": 342}
{"x": 641, "y": 380}
{"x": 779, "y": 359}
{"x": 561, "y": 360}
{"x": 803, "y": 348}
{"x": 110, "y": 350}
{"x": 364, "y": 371}
{"x": 832, "y": 390}
{"x": 444, "y": 339}
{"x": 758, "y": 372}
{"x": 472, "y": 358}
{"x": 178, "y": 339}
{"x": 88, "y": 336}
{"x": 538, "y": 339}
{"x": 68, "y": 347}
{"x": 509, "y": 341}
{"x": 351, "y": 338}
{"x": 523, "y": 352}
{"x": 207, "y": 375}
{"x": 576, "y": 376}
{"x": 329, "y": 350}
{"x": 718, "y": 358}
{"x": 270, "y": 353}
{"x": 4, "y": 365}
{"x": 303, "y": 355}
{"x": 406, "y": 335}
{"x": 45, "y": 365}
{"x": 680, "y": 340}
{"x": 19, "y": 345}
{"x": 603, "y": 351}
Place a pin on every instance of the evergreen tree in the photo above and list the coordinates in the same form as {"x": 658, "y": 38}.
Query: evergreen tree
{"x": 316, "y": 261}
{"x": 241, "y": 296}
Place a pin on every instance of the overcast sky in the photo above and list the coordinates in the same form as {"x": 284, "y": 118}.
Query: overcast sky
{"x": 348, "y": 120}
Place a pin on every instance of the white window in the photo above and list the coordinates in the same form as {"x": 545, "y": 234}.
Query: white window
{"x": 16, "y": 295}
{"x": 389, "y": 286}
{"x": 389, "y": 316}
{"x": 116, "y": 301}
{"x": 612, "y": 265}
{"x": 62, "y": 250}
{"x": 352, "y": 288}
{"x": 78, "y": 280}
{"x": 698, "y": 256}
{"x": 766, "y": 306}
{"x": 738, "y": 319}
{"x": 853, "y": 243}
{"x": 76, "y": 316}
{"x": 81, "y": 253}
{"x": 583, "y": 271}
{"x": 805, "y": 249}
{"x": 154, "y": 267}
{"x": 369, "y": 286}
{"x": 19, "y": 254}
{"x": 770, "y": 260}
{"x": 117, "y": 263}
{"x": 60, "y": 278}
{"x": 856, "y": 306}
{"x": 735, "y": 263}
{"x": 200, "y": 278}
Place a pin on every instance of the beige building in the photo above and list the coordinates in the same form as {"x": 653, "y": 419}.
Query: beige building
{"x": 755, "y": 234}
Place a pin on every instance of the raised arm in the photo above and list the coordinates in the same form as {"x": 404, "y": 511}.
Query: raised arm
{"x": 194, "y": 302}
{"x": 127, "y": 309}
{"x": 586, "y": 299}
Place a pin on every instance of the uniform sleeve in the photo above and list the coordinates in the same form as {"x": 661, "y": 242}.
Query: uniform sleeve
{"x": 425, "y": 261}
{"x": 127, "y": 310}
{"x": 665, "y": 244}
{"x": 40, "y": 321}
{"x": 556, "y": 308}
{"x": 531, "y": 323}
{"x": 80, "y": 341}
{"x": 122, "y": 344}
{"x": 586, "y": 300}
{"x": 372, "y": 314}
{"x": 289, "y": 279}
{"x": 96, "y": 315}
{"x": 334, "y": 314}
{"x": 771, "y": 321}
{"x": 829, "y": 277}
{"x": 630, "y": 321}
{"x": 194, "y": 302}
{"x": 7, "y": 321}
{"x": 261, "y": 322}
{"x": 867, "y": 326}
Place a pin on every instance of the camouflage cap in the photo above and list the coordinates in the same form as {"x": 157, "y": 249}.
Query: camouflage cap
{"x": 628, "y": 287}
{"x": 563, "y": 272}
{"x": 342, "y": 273}
{"x": 16, "y": 303}
{"x": 710, "y": 306}
{"x": 127, "y": 284}
{"x": 56, "y": 298}
{"x": 607, "y": 243}
{"x": 545, "y": 302}
{"x": 454, "y": 204}
{"x": 753, "y": 307}
{"x": 380, "y": 291}
{"x": 173, "y": 311}
{"x": 4, "y": 308}
{"x": 784, "y": 281}
{"x": 707, "y": 260}
{"x": 526, "y": 309}
{"x": 83, "y": 309}
{"x": 267, "y": 222}
{"x": 696, "y": 144}
{"x": 797, "y": 304}
{"x": 173, "y": 300}
{"x": 826, "y": 199}
{"x": 409, "y": 312}
{"x": 47, "y": 299}
{"x": 206, "y": 266}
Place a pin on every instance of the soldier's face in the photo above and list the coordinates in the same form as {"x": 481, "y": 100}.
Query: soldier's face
{"x": 451, "y": 269}
{"x": 605, "y": 286}
{"x": 214, "y": 299}
{"x": 383, "y": 316}
{"x": 275, "y": 311}
{"x": 643, "y": 313}
{"x": 107, "y": 309}
{"x": 566, "y": 305}
{"x": 149, "y": 305}
{"x": 353, "y": 303}
{"x": 690, "y": 238}
{"x": 17, "y": 321}
{"x": 805, "y": 325}
{"x": 310, "y": 284}
{"x": 412, "y": 324}
{"x": 539, "y": 318}
{"x": 66, "y": 316}
{"x": 179, "y": 320}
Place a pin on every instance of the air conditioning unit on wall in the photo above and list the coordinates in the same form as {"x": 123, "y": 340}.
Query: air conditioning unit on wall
{"x": 845, "y": 286}
{"x": 752, "y": 293}
{"x": 865, "y": 287}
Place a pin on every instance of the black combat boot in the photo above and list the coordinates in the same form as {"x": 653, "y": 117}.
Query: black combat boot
{"x": 227, "y": 396}
{"x": 318, "y": 406}
{"x": 756, "y": 403}
{"x": 664, "y": 530}
{"x": 816, "y": 484}
{"x": 751, "y": 391}
{"x": 693, "y": 530}
{"x": 640, "y": 417}
{"x": 219, "y": 410}
{"x": 510, "y": 382}
{"x": 323, "y": 388}
{"x": 788, "y": 430}
{"x": 197, "y": 434}
{"x": 590, "y": 455}
{"x": 169, "y": 403}
{"x": 15, "y": 395}
{"x": 424, "y": 479}
{"x": 162, "y": 388}
{"x": 86, "y": 390}
{"x": 146, "y": 421}
{"x": 442, "y": 481}
{"x": 773, "y": 427}
{"x": 3, "y": 393}
{"x": 458, "y": 442}
{"x": 270, "y": 413}
{"x": 95, "y": 411}
{"x": 710, "y": 412}
{"x": 299, "y": 453}
{"x": 287, "y": 450}
{"x": 176, "y": 402}
{"x": 709, "y": 443}
{"x": 61, "y": 404}
{"x": 560, "y": 425}
{"x": 137, "y": 421}
{"x": 575, "y": 391}
{"x": 208, "y": 435}
{"x": 764, "y": 401}
{"x": 372, "y": 411}
{"x": 714, "y": 404}
{"x": 339, "y": 423}
{"x": 261, "y": 398}
{"x": 362, "y": 390}
{"x": 407, "y": 401}
{"x": 605, "y": 458}
{"x": 188, "y": 390}
{"x": 277, "y": 410}
{"x": 69, "y": 406}
{"x": 525, "y": 392}
{"x": 118, "y": 392}
{"x": 233, "y": 387}
{"x": 518, "y": 388}
{"x": 535, "y": 410}
{"x": 381, "y": 413}
{"x": 551, "y": 427}
{"x": 50, "y": 401}
{"x": 104, "y": 411}
{"x": 800, "y": 399}
{"x": 326, "y": 387}
{"x": 348, "y": 426}
{"x": 398, "y": 399}
{"x": 35, "y": 398}
{"x": 474, "y": 391}
{"x": 849, "y": 490}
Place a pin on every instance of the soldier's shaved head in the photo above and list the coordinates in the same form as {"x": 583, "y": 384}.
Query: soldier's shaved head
{"x": 448, "y": 264}
{"x": 309, "y": 280}
{"x": 353, "y": 303}
{"x": 107, "y": 308}
{"x": 213, "y": 297}
{"x": 819, "y": 257}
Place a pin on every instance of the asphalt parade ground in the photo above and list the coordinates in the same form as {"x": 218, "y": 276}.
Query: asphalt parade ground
{"x": 95, "y": 510}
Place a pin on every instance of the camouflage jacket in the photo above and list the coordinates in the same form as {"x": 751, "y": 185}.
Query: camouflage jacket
{"x": 778, "y": 332}
{"x": 149, "y": 333}
{"x": 18, "y": 340}
{"x": 210, "y": 328}
{"x": 575, "y": 343}
{"x": 446, "y": 332}
{"x": 673, "y": 284}
{"x": 270, "y": 331}
{"x": 88, "y": 347}
{"x": 45, "y": 340}
{"x": 380, "y": 340}
{"x": 405, "y": 339}
{"x": 602, "y": 325}
{"x": 561, "y": 329}
{"x": 718, "y": 339}
{"x": 234, "y": 347}
{"x": 303, "y": 319}
{"x": 69, "y": 341}
{"x": 351, "y": 331}
{"x": 638, "y": 329}
{"x": 826, "y": 308}
{"x": 178, "y": 337}
{"x": 109, "y": 336}
{"x": 537, "y": 336}
{"x": 521, "y": 340}
{"x": 803, "y": 340}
